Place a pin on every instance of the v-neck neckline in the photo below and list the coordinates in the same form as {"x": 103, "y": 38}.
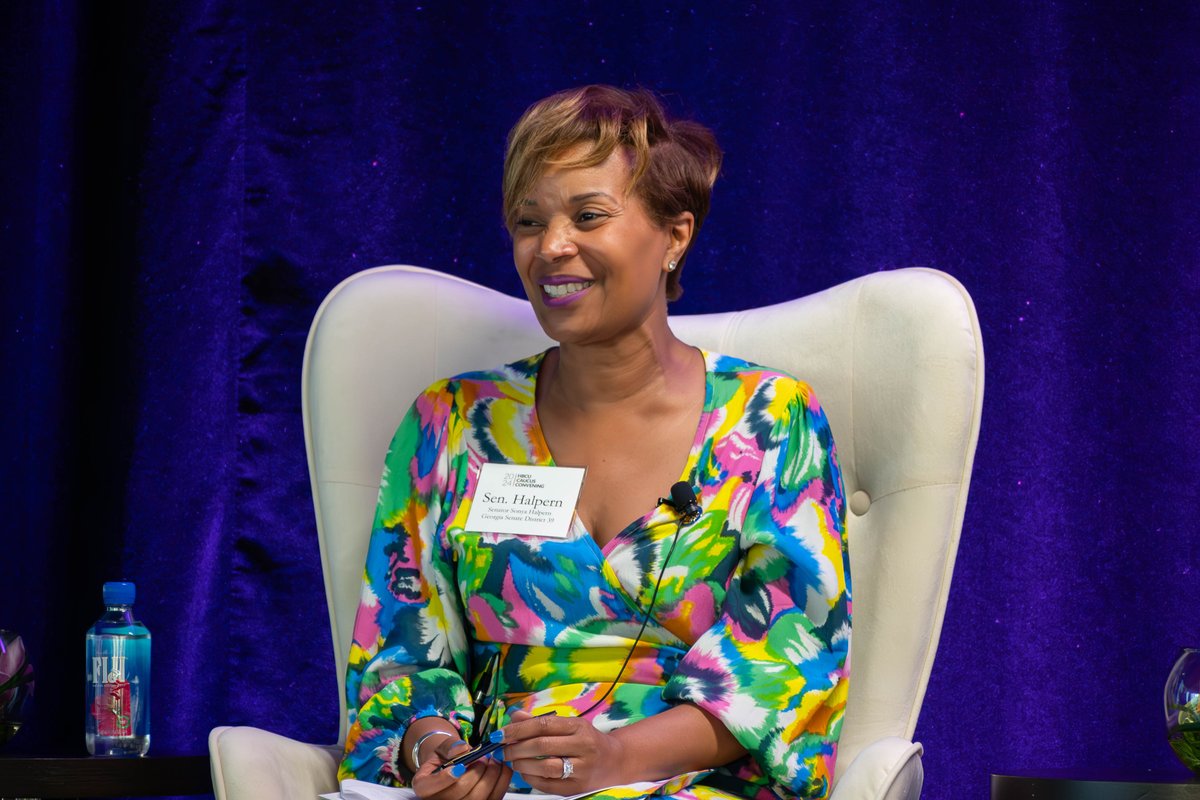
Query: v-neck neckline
{"x": 538, "y": 439}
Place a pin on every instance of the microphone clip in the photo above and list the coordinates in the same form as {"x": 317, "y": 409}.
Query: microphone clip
{"x": 683, "y": 500}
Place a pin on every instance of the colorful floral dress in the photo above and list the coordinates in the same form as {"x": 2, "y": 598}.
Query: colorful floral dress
{"x": 752, "y": 619}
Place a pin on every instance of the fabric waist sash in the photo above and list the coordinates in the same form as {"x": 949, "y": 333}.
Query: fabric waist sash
{"x": 571, "y": 681}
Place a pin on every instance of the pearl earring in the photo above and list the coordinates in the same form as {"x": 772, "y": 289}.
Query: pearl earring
{"x": 670, "y": 266}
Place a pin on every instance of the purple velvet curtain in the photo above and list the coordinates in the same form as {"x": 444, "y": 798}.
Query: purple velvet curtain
{"x": 185, "y": 181}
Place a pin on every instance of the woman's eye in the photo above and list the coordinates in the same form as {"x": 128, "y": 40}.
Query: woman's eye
{"x": 526, "y": 223}
{"x": 589, "y": 216}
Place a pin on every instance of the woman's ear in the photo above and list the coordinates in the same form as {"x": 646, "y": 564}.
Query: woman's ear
{"x": 680, "y": 229}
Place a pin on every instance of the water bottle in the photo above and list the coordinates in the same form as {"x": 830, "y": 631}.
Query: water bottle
{"x": 118, "y": 678}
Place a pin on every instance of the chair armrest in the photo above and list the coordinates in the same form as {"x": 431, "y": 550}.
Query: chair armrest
{"x": 253, "y": 764}
{"x": 887, "y": 769}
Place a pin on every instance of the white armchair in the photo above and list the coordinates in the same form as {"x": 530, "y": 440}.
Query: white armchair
{"x": 897, "y": 361}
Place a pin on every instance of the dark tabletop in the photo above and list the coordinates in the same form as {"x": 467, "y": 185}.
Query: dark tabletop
{"x": 24, "y": 775}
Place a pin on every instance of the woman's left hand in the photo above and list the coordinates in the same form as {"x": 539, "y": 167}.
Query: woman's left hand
{"x": 562, "y": 755}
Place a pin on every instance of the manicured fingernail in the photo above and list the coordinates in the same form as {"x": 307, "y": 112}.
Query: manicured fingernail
{"x": 498, "y": 754}
{"x": 458, "y": 770}
{"x": 456, "y": 744}
{"x": 496, "y": 736}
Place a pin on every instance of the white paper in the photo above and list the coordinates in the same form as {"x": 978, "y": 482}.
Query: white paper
{"x": 361, "y": 790}
{"x": 514, "y": 498}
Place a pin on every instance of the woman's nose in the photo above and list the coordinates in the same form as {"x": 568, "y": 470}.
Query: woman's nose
{"x": 557, "y": 241}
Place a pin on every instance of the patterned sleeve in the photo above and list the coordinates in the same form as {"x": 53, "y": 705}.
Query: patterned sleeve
{"x": 408, "y": 650}
{"x": 773, "y": 668}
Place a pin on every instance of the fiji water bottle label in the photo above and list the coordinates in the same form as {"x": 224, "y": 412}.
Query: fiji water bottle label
{"x": 117, "y": 709}
{"x": 112, "y": 701}
{"x": 111, "y": 710}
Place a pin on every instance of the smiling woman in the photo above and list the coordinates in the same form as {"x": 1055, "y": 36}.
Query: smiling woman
{"x": 592, "y": 260}
{"x": 671, "y": 164}
{"x": 697, "y": 643}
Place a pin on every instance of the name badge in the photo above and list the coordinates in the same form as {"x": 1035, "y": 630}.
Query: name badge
{"x": 538, "y": 501}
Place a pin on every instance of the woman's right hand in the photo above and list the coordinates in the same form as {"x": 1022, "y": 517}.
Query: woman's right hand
{"x": 485, "y": 779}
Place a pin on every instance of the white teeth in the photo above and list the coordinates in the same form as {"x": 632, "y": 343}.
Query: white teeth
{"x": 564, "y": 289}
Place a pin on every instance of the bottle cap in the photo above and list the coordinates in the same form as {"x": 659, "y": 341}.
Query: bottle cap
{"x": 119, "y": 593}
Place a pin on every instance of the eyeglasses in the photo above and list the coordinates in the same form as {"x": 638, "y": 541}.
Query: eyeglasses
{"x": 484, "y": 696}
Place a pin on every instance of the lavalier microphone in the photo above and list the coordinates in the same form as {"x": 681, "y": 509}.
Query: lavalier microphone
{"x": 683, "y": 500}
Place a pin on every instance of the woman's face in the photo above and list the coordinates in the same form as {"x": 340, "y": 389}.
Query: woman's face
{"x": 592, "y": 261}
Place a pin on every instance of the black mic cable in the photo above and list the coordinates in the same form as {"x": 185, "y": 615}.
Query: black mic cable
{"x": 683, "y": 500}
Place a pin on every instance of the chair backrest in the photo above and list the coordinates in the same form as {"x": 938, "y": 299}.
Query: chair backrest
{"x": 895, "y": 358}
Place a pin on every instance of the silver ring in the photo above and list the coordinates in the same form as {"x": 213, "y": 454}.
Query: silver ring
{"x": 568, "y": 769}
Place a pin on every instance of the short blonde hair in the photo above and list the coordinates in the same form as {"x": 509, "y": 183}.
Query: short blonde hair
{"x": 674, "y": 162}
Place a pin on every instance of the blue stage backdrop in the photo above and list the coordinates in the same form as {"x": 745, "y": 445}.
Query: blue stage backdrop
{"x": 183, "y": 182}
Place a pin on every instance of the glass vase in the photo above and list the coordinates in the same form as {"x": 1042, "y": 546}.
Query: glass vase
{"x": 16, "y": 684}
{"x": 1181, "y": 701}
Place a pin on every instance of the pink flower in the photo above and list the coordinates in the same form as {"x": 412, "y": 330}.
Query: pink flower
{"x": 16, "y": 673}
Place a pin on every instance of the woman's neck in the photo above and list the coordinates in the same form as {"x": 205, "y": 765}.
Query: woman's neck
{"x": 635, "y": 369}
